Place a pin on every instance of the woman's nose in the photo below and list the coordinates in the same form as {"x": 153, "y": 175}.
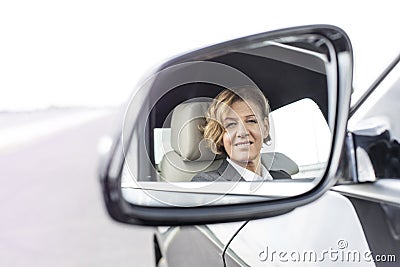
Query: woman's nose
{"x": 242, "y": 131}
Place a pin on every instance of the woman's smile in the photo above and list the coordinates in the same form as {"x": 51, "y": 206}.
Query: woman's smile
{"x": 244, "y": 144}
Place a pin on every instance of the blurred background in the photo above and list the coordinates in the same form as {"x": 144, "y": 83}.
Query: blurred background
{"x": 66, "y": 70}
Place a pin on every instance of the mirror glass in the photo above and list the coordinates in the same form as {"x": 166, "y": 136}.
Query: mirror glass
{"x": 248, "y": 120}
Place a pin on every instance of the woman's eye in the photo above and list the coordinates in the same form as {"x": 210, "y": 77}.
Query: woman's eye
{"x": 252, "y": 121}
{"x": 230, "y": 125}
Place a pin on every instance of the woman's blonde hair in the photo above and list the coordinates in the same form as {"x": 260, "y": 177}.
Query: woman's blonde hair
{"x": 213, "y": 131}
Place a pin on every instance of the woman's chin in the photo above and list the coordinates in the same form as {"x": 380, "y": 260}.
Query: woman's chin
{"x": 243, "y": 159}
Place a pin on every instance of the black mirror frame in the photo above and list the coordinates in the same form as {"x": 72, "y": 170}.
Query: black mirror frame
{"x": 125, "y": 212}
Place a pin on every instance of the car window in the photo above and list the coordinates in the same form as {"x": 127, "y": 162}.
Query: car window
{"x": 298, "y": 130}
{"x": 302, "y": 133}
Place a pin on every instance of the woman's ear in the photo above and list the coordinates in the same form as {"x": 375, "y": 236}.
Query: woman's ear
{"x": 266, "y": 128}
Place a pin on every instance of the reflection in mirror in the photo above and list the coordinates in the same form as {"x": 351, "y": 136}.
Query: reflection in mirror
{"x": 243, "y": 123}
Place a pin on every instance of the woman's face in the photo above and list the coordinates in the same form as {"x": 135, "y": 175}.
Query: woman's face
{"x": 244, "y": 133}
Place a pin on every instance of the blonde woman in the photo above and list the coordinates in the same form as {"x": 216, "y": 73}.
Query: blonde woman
{"x": 237, "y": 125}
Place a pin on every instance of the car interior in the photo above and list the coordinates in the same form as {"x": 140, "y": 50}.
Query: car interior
{"x": 178, "y": 113}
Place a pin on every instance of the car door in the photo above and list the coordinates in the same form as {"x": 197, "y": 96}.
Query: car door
{"x": 308, "y": 236}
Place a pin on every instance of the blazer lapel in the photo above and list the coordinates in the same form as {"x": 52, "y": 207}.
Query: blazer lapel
{"x": 228, "y": 173}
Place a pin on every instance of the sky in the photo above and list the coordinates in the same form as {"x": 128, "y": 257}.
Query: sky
{"x": 93, "y": 53}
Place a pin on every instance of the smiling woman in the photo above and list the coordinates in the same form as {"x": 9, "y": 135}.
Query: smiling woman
{"x": 237, "y": 126}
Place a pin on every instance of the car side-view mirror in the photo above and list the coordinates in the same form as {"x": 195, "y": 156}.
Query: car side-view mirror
{"x": 245, "y": 129}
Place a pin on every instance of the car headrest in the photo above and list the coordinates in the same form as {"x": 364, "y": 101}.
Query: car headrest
{"x": 186, "y": 137}
{"x": 278, "y": 161}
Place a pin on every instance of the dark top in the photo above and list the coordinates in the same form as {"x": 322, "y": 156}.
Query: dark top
{"x": 226, "y": 172}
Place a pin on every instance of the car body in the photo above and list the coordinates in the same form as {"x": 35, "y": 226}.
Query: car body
{"x": 357, "y": 220}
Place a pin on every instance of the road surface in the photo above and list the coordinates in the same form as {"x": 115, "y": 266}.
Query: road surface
{"x": 52, "y": 213}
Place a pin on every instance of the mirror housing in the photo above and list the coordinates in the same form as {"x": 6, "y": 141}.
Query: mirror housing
{"x": 340, "y": 58}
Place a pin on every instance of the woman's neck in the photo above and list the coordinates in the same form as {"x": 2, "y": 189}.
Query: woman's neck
{"x": 253, "y": 166}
